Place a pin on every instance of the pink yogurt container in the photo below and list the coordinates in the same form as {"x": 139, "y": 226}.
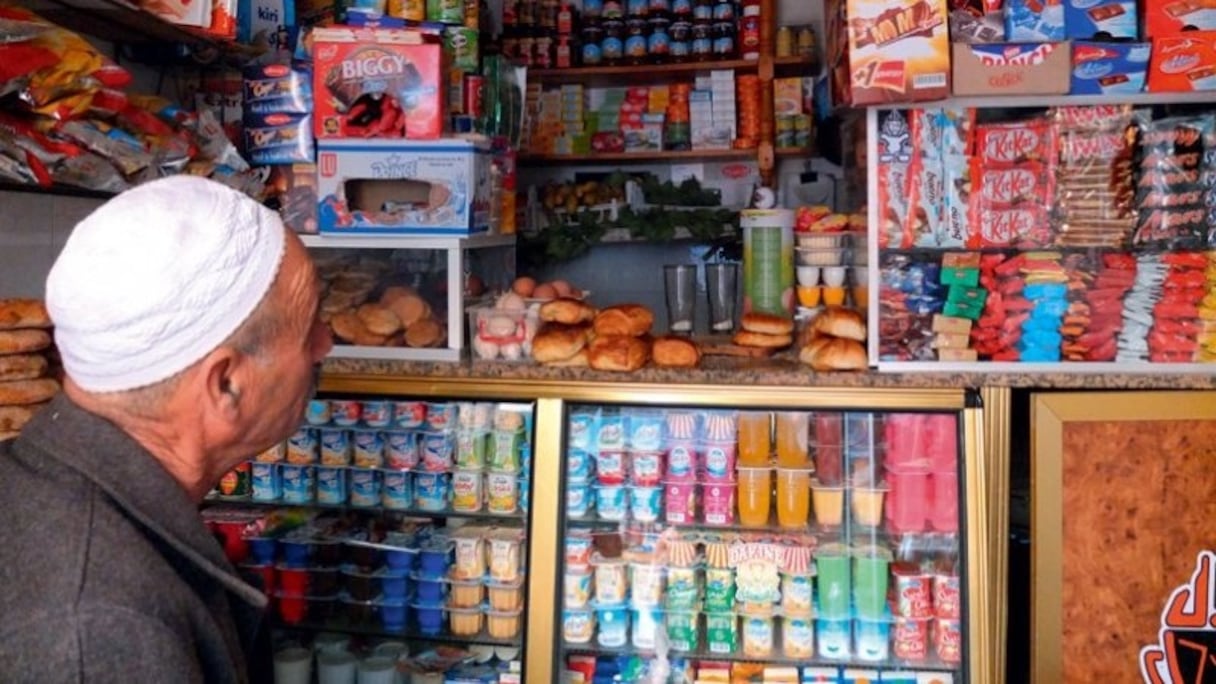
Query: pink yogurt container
{"x": 610, "y": 467}
{"x": 679, "y": 502}
{"x": 682, "y": 462}
{"x": 718, "y": 503}
{"x": 908, "y": 501}
{"x": 718, "y": 462}
{"x": 646, "y": 468}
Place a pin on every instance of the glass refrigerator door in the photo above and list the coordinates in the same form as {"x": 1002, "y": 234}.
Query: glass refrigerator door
{"x": 761, "y": 546}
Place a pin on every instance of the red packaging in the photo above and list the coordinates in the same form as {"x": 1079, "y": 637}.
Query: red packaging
{"x": 913, "y": 591}
{"x": 911, "y": 638}
{"x": 948, "y": 639}
{"x": 1183, "y": 63}
{"x": 1170, "y": 17}
{"x": 377, "y": 83}
{"x": 474, "y": 94}
{"x": 1014, "y": 143}
{"x": 946, "y": 596}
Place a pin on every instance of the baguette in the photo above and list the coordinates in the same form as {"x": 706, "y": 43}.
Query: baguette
{"x": 23, "y": 313}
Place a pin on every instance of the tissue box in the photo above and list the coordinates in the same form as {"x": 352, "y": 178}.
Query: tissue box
{"x": 1085, "y": 19}
{"x": 390, "y": 187}
{"x": 1012, "y": 69}
{"x": 1109, "y": 68}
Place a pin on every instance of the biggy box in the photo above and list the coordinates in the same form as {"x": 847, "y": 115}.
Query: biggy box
{"x": 898, "y": 51}
{"x": 393, "y": 187}
{"x": 377, "y": 83}
{"x": 1183, "y": 63}
{"x": 1012, "y": 69}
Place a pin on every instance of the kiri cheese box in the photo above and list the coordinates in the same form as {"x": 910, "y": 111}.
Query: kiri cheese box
{"x": 1012, "y": 69}
{"x": 1183, "y": 63}
{"x": 1109, "y": 68}
{"x": 414, "y": 188}
{"x": 1086, "y": 19}
{"x": 897, "y": 51}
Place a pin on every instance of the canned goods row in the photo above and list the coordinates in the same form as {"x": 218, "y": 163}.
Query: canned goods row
{"x": 497, "y": 450}
{"x": 461, "y": 491}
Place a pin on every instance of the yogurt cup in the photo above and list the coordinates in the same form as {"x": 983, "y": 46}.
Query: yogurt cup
{"x": 401, "y": 560}
{"x": 645, "y": 430}
{"x": 828, "y": 502}
{"x": 440, "y": 416}
{"x": 582, "y": 430}
{"x": 835, "y": 639}
{"x": 913, "y": 590}
{"x": 303, "y": 447}
{"x": 579, "y": 464}
{"x": 335, "y": 446}
{"x": 393, "y": 615}
{"x": 867, "y": 503}
{"x": 506, "y": 451}
{"x": 429, "y": 591}
{"x": 646, "y": 584}
{"x": 718, "y": 503}
{"x": 502, "y": 493}
{"x": 682, "y": 630}
{"x": 505, "y": 551}
{"x": 431, "y": 491}
{"x": 397, "y": 491}
{"x": 469, "y": 557}
{"x": 719, "y": 461}
{"x": 682, "y": 461}
{"x": 683, "y": 588}
{"x": 611, "y": 433}
{"x": 376, "y": 413}
{"x": 317, "y": 412}
{"x": 578, "y": 625}
{"x": 578, "y": 498}
{"x": 796, "y": 594}
{"x": 679, "y": 500}
{"x": 680, "y": 426}
{"x": 365, "y": 486}
{"x": 331, "y": 485}
{"x": 505, "y": 595}
{"x": 719, "y": 589}
{"x": 947, "y": 599}
{"x": 466, "y": 593}
{"x": 611, "y": 581}
{"x": 266, "y": 481}
{"x": 273, "y": 454}
{"x": 467, "y": 491}
{"x": 798, "y": 636}
{"x": 911, "y": 638}
{"x": 872, "y": 639}
{"x": 612, "y": 626}
{"x": 299, "y": 482}
{"x": 646, "y": 503}
{"x": 577, "y": 589}
{"x": 401, "y": 450}
{"x": 409, "y": 414}
{"x": 429, "y": 618}
{"x": 262, "y": 549}
{"x": 471, "y": 449}
{"x": 368, "y": 449}
{"x": 721, "y": 633}
{"x": 435, "y": 558}
{"x": 435, "y": 452}
{"x": 646, "y": 468}
{"x": 759, "y": 635}
{"x": 344, "y": 412}
{"x": 948, "y": 640}
{"x": 647, "y": 624}
{"x": 474, "y": 416}
{"x": 610, "y": 467}
{"x": 578, "y": 546}
{"x": 611, "y": 503}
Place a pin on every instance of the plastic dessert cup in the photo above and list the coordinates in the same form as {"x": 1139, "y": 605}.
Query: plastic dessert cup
{"x": 834, "y": 577}
{"x": 911, "y": 638}
{"x": 793, "y": 431}
{"x": 755, "y": 443}
{"x": 829, "y": 504}
{"x": 793, "y": 497}
{"x": 908, "y": 502}
{"x": 754, "y": 496}
{"x": 943, "y": 515}
{"x": 870, "y": 580}
{"x": 867, "y": 505}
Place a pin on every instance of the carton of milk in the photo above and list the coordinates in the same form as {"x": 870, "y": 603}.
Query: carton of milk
{"x": 399, "y": 187}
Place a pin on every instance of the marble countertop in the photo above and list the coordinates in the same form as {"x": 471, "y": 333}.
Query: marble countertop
{"x": 783, "y": 372}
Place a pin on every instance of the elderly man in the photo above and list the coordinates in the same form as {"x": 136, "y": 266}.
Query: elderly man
{"x": 187, "y": 319}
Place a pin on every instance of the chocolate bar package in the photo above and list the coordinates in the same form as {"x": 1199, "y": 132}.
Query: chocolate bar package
{"x": 1034, "y": 21}
{"x": 977, "y": 21}
{"x": 1174, "y": 192}
{"x": 1109, "y": 68}
{"x": 1183, "y": 63}
{"x": 1087, "y": 19}
{"x": 898, "y": 51}
{"x": 1169, "y": 17}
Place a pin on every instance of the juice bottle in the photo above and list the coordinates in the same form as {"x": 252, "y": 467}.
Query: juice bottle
{"x": 755, "y": 443}
{"x": 793, "y": 497}
{"x": 792, "y": 431}
{"x": 755, "y": 496}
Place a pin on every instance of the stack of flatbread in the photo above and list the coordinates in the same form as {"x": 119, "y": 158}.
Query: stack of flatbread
{"x": 25, "y": 386}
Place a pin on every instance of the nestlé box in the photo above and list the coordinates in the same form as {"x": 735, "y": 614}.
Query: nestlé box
{"x": 1012, "y": 69}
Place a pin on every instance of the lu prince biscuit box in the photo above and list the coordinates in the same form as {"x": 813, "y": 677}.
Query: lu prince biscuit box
{"x": 395, "y": 187}
{"x": 1108, "y": 68}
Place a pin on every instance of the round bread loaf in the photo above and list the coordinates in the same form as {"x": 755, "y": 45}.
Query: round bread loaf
{"x": 825, "y": 354}
{"x": 567, "y": 311}
{"x": 23, "y": 341}
{"x": 409, "y": 308}
{"x": 23, "y": 313}
{"x": 22, "y": 367}
{"x": 424, "y": 333}
{"x": 579, "y": 360}
{"x": 767, "y": 324}
{"x": 379, "y": 319}
{"x": 634, "y": 320}
{"x": 838, "y": 321}
{"x": 621, "y": 353}
{"x": 555, "y": 342}
{"x": 675, "y": 352}
{"x": 747, "y": 338}
{"x": 26, "y": 392}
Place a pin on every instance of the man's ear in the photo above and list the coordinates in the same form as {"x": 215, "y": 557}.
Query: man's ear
{"x": 221, "y": 385}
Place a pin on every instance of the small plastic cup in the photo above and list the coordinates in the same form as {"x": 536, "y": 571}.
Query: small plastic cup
{"x": 345, "y": 412}
{"x": 376, "y": 413}
{"x": 293, "y": 666}
{"x": 793, "y": 497}
{"x": 834, "y": 578}
{"x": 872, "y": 638}
{"x": 612, "y": 626}
{"x": 835, "y": 637}
{"x": 870, "y": 580}
{"x": 908, "y": 503}
{"x": 808, "y": 275}
{"x": 682, "y": 630}
{"x": 682, "y": 462}
{"x": 913, "y": 590}
{"x": 646, "y": 503}
{"x": 718, "y": 503}
{"x": 810, "y": 296}
{"x": 755, "y": 487}
{"x": 943, "y": 515}
{"x": 829, "y": 504}
{"x": 867, "y": 505}
{"x": 834, "y": 276}
{"x": 834, "y": 296}
{"x": 611, "y": 502}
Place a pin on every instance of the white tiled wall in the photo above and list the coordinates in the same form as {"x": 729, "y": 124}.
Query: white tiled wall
{"x": 33, "y": 228}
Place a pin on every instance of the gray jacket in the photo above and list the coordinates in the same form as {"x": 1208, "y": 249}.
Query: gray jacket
{"x": 107, "y": 573}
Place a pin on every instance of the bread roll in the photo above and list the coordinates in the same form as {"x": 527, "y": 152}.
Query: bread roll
{"x": 621, "y": 353}
{"x": 25, "y": 392}
{"x": 825, "y": 354}
{"x": 675, "y": 352}
{"x": 23, "y": 341}
{"x": 766, "y": 324}
{"x": 409, "y": 309}
{"x": 13, "y": 418}
{"x": 579, "y": 360}
{"x": 347, "y": 326}
{"x": 747, "y": 338}
{"x": 424, "y": 333}
{"x": 556, "y": 342}
{"x": 838, "y": 321}
{"x": 379, "y": 319}
{"x": 634, "y": 320}
{"x": 23, "y": 313}
{"x": 22, "y": 367}
{"x": 566, "y": 311}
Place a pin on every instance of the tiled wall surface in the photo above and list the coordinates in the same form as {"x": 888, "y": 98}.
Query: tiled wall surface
{"x": 33, "y": 228}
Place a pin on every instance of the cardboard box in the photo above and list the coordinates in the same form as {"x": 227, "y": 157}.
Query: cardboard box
{"x": 295, "y": 191}
{"x": 1034, "y": 21}
{"x": 1183, "y": 63}
{"x": 1087, "y": 19}
{"x": 1109, "y": 68}
{"x": 977, "y": 21}
{"x": 1170, "y": 17}
{"x": 897, "y": 51}
{"x": 362, "y": 77}
{"x": 392, "y": 187}
{"x": 278, "y": 139}
{"x": 1012, "y": 69}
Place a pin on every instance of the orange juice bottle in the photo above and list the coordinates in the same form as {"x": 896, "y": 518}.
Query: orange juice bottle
{"x": 755, "y": 496}
{"x": 755, "y": 443}
{"x": 792, "y": 430}
{"x": 793, "y": 497}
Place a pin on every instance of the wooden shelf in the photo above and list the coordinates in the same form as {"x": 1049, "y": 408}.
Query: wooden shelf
{"x": 655, "y": 157}
{"x": 56, "y": 190}
{"x": 1045, "y": 101}
{"x": 644, "y": 72}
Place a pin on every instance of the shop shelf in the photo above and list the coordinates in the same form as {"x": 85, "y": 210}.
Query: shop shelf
{"x": 404, "y": 512}
{"x": 892, "y": 664}
{"x": 405, "y": 242}
{"x": 56, "y": 190}
{"x": 1044, "y": 101}
{"x": 344, "y": 627}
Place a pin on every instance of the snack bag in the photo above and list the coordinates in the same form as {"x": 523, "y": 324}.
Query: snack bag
{"x": 1174, "y": 194}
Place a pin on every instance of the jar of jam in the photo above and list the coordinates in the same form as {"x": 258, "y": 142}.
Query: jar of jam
{"x": 702, "y": 41}
{"x": 612, "y": 47}
{"x": 723, "y": 40}
{"x": 749, "y": 37}
{"x": 681, "y": 8}
{"x": 635, "y": 9}
{"x": 703, "y": 10}
{"x": 613, "y": 9}
{"x": 592, "y": 9}
{"x": 635, "y": 40}
{"x": 658, "y": 43}
{"x": 593, "y": 37}
{"x": 680, "y": 31}
{"x": 724, "y": 11}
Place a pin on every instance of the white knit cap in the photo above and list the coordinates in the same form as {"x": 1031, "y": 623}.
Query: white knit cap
{"x": 156, "y": 278}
